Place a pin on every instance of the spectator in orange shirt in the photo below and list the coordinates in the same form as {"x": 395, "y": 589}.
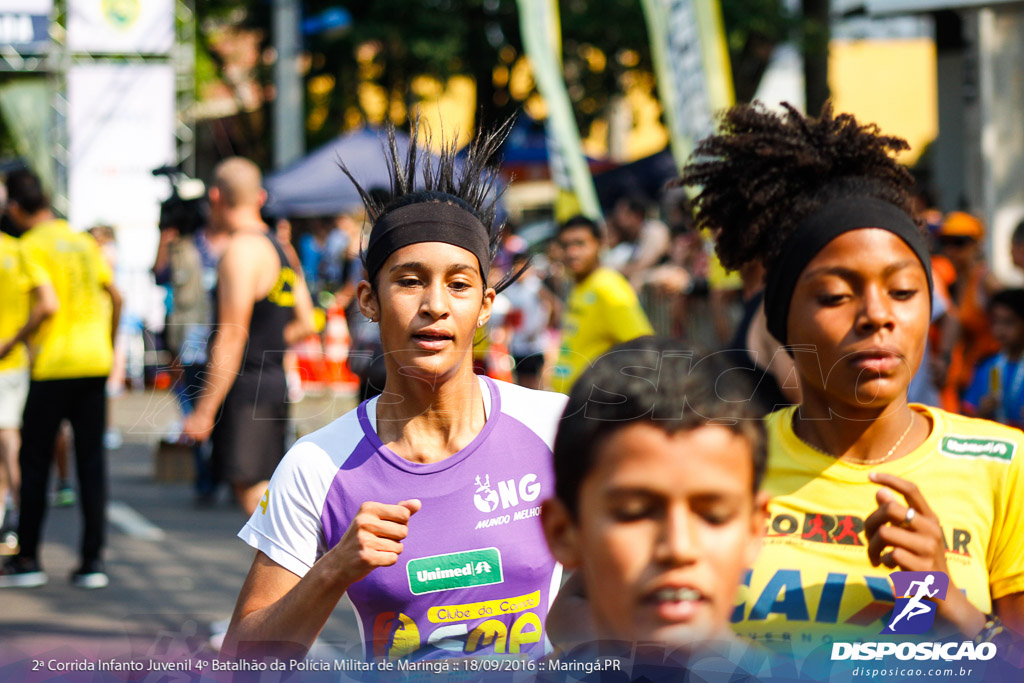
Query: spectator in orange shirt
{"x": 966, "y": 338}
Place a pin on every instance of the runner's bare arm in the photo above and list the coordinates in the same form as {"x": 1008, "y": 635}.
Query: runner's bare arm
{"x": 44, "y": 305}
{"x": 115, "y": 313}
{"x": 1010, "y": 610}
{"x": 302, "y": 325}
{"x": 280, "y": 614}
{"x": 237, "y": 280}
{"x": 275, "y": 606}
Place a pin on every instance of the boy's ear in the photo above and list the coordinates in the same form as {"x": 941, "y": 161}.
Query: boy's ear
{"x": 758, "y": 525}
{"x": 560, "y": 532}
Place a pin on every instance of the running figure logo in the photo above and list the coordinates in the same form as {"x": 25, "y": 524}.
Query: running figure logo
{"x": 915, "y": 608}
{"x": 485, "y": 498}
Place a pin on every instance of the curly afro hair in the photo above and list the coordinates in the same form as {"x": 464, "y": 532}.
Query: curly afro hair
{"x": 763, "y": 173}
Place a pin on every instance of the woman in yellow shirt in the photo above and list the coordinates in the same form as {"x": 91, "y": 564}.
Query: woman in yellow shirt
{"x": 863, "y": 483}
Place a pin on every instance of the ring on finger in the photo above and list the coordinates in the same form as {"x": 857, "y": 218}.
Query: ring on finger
{"x": 908, "y": 518}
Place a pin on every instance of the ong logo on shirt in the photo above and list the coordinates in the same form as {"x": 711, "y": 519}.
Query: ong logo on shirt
{"x": 485, "y": 498}
{"x": 454, "y": 570}
{"x": 914, "y": 612}
{"x": 509, "y": 493}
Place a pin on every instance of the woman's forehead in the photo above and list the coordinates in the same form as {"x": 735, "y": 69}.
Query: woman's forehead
{"x": 439, "y": 256}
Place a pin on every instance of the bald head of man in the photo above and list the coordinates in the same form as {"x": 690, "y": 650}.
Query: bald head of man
{"x": 237, "y": 183}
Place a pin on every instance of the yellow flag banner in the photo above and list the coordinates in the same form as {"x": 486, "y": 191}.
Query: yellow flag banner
{"x": 541, "y": 31}
{"x": 691, "y": 63}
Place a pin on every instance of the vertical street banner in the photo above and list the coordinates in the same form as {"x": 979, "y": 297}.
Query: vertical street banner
{"x": 121, "y": 122}
{"x": 691, "y": 63}
{"x": 26, "y": 110}
{"x": 539, "y": 24}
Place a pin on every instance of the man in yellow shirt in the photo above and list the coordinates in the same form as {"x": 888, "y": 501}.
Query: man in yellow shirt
{"x": 603, "y": 309}
{"x": 13, "y": 382}
{"x": 69, "y": 331}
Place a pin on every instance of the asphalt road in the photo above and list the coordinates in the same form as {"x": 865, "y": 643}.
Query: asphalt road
{"x": 175, "y": 569}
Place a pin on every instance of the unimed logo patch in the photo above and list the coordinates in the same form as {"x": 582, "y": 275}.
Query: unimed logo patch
{"x": 972, "y": 447}
{"x": 454, "y": 570}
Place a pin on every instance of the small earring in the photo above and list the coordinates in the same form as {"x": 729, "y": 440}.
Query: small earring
{"x": 479, "y": 323}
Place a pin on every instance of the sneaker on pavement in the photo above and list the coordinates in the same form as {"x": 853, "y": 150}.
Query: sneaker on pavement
{"x": 90, "y": 575}
{"x": 19, "y": 572}
{"x": 65, "y": 497}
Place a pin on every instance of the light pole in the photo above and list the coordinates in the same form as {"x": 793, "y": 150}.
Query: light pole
{"x": 289, "y": 114}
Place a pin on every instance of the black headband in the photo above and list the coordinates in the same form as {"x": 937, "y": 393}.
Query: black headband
{"x": 820, "y": 228}
{"x": 427, "y": 222}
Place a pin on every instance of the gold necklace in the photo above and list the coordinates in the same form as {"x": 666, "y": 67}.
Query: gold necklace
{"x": 852, "y": 461}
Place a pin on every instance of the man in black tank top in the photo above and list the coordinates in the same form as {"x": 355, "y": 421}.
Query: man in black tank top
{"x": 263, "y": 307}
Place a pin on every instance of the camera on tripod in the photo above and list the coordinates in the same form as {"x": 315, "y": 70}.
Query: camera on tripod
{"x": 186, "y": 210}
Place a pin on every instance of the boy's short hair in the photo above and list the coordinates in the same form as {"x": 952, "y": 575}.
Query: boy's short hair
{"x": 659, "y": 382}
{"x": 1010, "y": 298}
{"x": 634, "y": 203}
{"x": 581, "y": 221}
{"x": 1018, "y": 234}
{"x": 25, "y": 189}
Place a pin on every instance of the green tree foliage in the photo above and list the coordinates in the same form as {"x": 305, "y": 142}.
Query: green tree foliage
{"x": 603, "y": 40}
{"x": 753, "y": 28}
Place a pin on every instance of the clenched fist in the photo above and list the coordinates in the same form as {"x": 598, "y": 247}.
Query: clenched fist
{"x": 373, "y": 539}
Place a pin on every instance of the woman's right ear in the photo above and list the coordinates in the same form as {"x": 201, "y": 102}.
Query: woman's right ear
{"x": 366, "y": 298}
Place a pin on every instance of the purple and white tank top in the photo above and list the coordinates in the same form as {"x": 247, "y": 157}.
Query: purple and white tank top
{"x": 475, "y": 575}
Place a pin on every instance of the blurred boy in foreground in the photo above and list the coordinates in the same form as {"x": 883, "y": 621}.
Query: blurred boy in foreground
{"x": 658, "y": 463}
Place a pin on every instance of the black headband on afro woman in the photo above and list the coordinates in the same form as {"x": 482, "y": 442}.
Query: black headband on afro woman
{"x": 434, "y": 221}
{"x": 820, "y": 228}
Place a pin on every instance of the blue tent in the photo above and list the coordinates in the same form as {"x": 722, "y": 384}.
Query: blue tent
{"x": 316, "y": 186}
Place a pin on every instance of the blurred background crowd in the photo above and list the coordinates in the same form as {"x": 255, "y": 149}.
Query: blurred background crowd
{"x": 123, "y": 110}
{"x": 608, "y": 104}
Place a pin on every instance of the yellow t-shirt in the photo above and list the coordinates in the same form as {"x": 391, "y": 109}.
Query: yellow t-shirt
{"x": 721, "y": 279}
{"x": 13, "y": 302}
{"x": 718, "y": 277}
{"x": 813, "y": 582}
{"x": 75, "y": 341}
{"x": 603, "y": 311}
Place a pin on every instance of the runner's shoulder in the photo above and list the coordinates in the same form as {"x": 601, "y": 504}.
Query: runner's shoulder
{"x": 973, "y": 437}
{"x": 337, "y": 439}
{"x": 540, "y": 411}
{"x": 249, "y": 243}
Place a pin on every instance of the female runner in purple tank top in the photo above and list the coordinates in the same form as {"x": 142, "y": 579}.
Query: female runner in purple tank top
{"x": 421, "y": 505}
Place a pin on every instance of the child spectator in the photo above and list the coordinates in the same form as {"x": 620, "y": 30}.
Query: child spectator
{"x": 997, "y": 391}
